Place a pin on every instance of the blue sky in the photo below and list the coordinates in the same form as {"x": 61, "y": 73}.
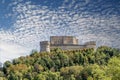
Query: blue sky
{"x": 24, "y": 23}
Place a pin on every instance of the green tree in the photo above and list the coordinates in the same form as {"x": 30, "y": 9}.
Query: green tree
{"x": 114, "y": 68}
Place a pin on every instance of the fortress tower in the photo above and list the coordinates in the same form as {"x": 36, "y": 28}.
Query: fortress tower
{"x": 90, "y": 44}
{"x": 45, "y": 46}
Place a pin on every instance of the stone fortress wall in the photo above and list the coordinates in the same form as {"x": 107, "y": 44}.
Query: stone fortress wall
{"x": 63, "y": 40}
{"x": 65, "y": 43}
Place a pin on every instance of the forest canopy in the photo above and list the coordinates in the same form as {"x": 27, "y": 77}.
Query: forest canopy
{"x": 86, "y": 64}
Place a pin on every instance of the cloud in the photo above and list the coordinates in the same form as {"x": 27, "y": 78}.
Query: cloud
{"x": 35, "y": 23}
{"x": 45, "y": 22}
{"x": 9, "y": 51}
{"x": 3, "y": 1}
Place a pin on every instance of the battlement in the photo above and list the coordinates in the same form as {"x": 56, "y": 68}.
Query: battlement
{"x": 65, "y": 43}
{"x": 44, "y": 42}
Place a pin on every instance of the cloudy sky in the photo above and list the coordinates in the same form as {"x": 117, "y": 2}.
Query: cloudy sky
{"x": 24, "y": 23}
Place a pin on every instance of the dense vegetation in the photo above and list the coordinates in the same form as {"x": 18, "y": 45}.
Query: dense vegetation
{"x": 87, "y": 64}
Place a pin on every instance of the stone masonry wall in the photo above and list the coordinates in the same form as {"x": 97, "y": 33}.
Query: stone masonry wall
{"x": 70, "y": 47}
{"x": 65, "y": 43}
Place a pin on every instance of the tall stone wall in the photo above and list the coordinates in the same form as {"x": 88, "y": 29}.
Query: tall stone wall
{"x": 75, "y": 41}
{"x": 69, "y": 47}
{"x": 55, "y": 40}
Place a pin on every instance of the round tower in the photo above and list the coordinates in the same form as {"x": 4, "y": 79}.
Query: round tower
{"x": 45, "y": 46}
{"x": 90, "y": 44}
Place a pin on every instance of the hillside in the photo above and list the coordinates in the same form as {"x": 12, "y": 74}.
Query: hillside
{"x": 87, "y": 64}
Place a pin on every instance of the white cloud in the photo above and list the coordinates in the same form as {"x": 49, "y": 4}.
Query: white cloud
{"x": 36, "y": 23}
{"x": 3, "y": 1}
{"x": 9, "y": 51}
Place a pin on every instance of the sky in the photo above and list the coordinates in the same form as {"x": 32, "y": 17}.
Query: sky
{"x": 24, "y": 23}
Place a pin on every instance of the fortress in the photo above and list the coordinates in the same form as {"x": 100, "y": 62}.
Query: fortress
{"x": 65, "y": 43}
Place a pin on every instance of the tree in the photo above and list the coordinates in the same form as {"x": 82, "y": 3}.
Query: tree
{"x": 94, "y": 71}
{"x": 38, "y": 68}
{"x": 114, "y": 68}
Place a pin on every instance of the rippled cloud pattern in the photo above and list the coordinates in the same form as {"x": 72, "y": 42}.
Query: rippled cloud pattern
{"x": 25, "y": 23}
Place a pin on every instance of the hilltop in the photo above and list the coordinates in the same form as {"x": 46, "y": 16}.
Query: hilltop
{"x": 85, "y": 64}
